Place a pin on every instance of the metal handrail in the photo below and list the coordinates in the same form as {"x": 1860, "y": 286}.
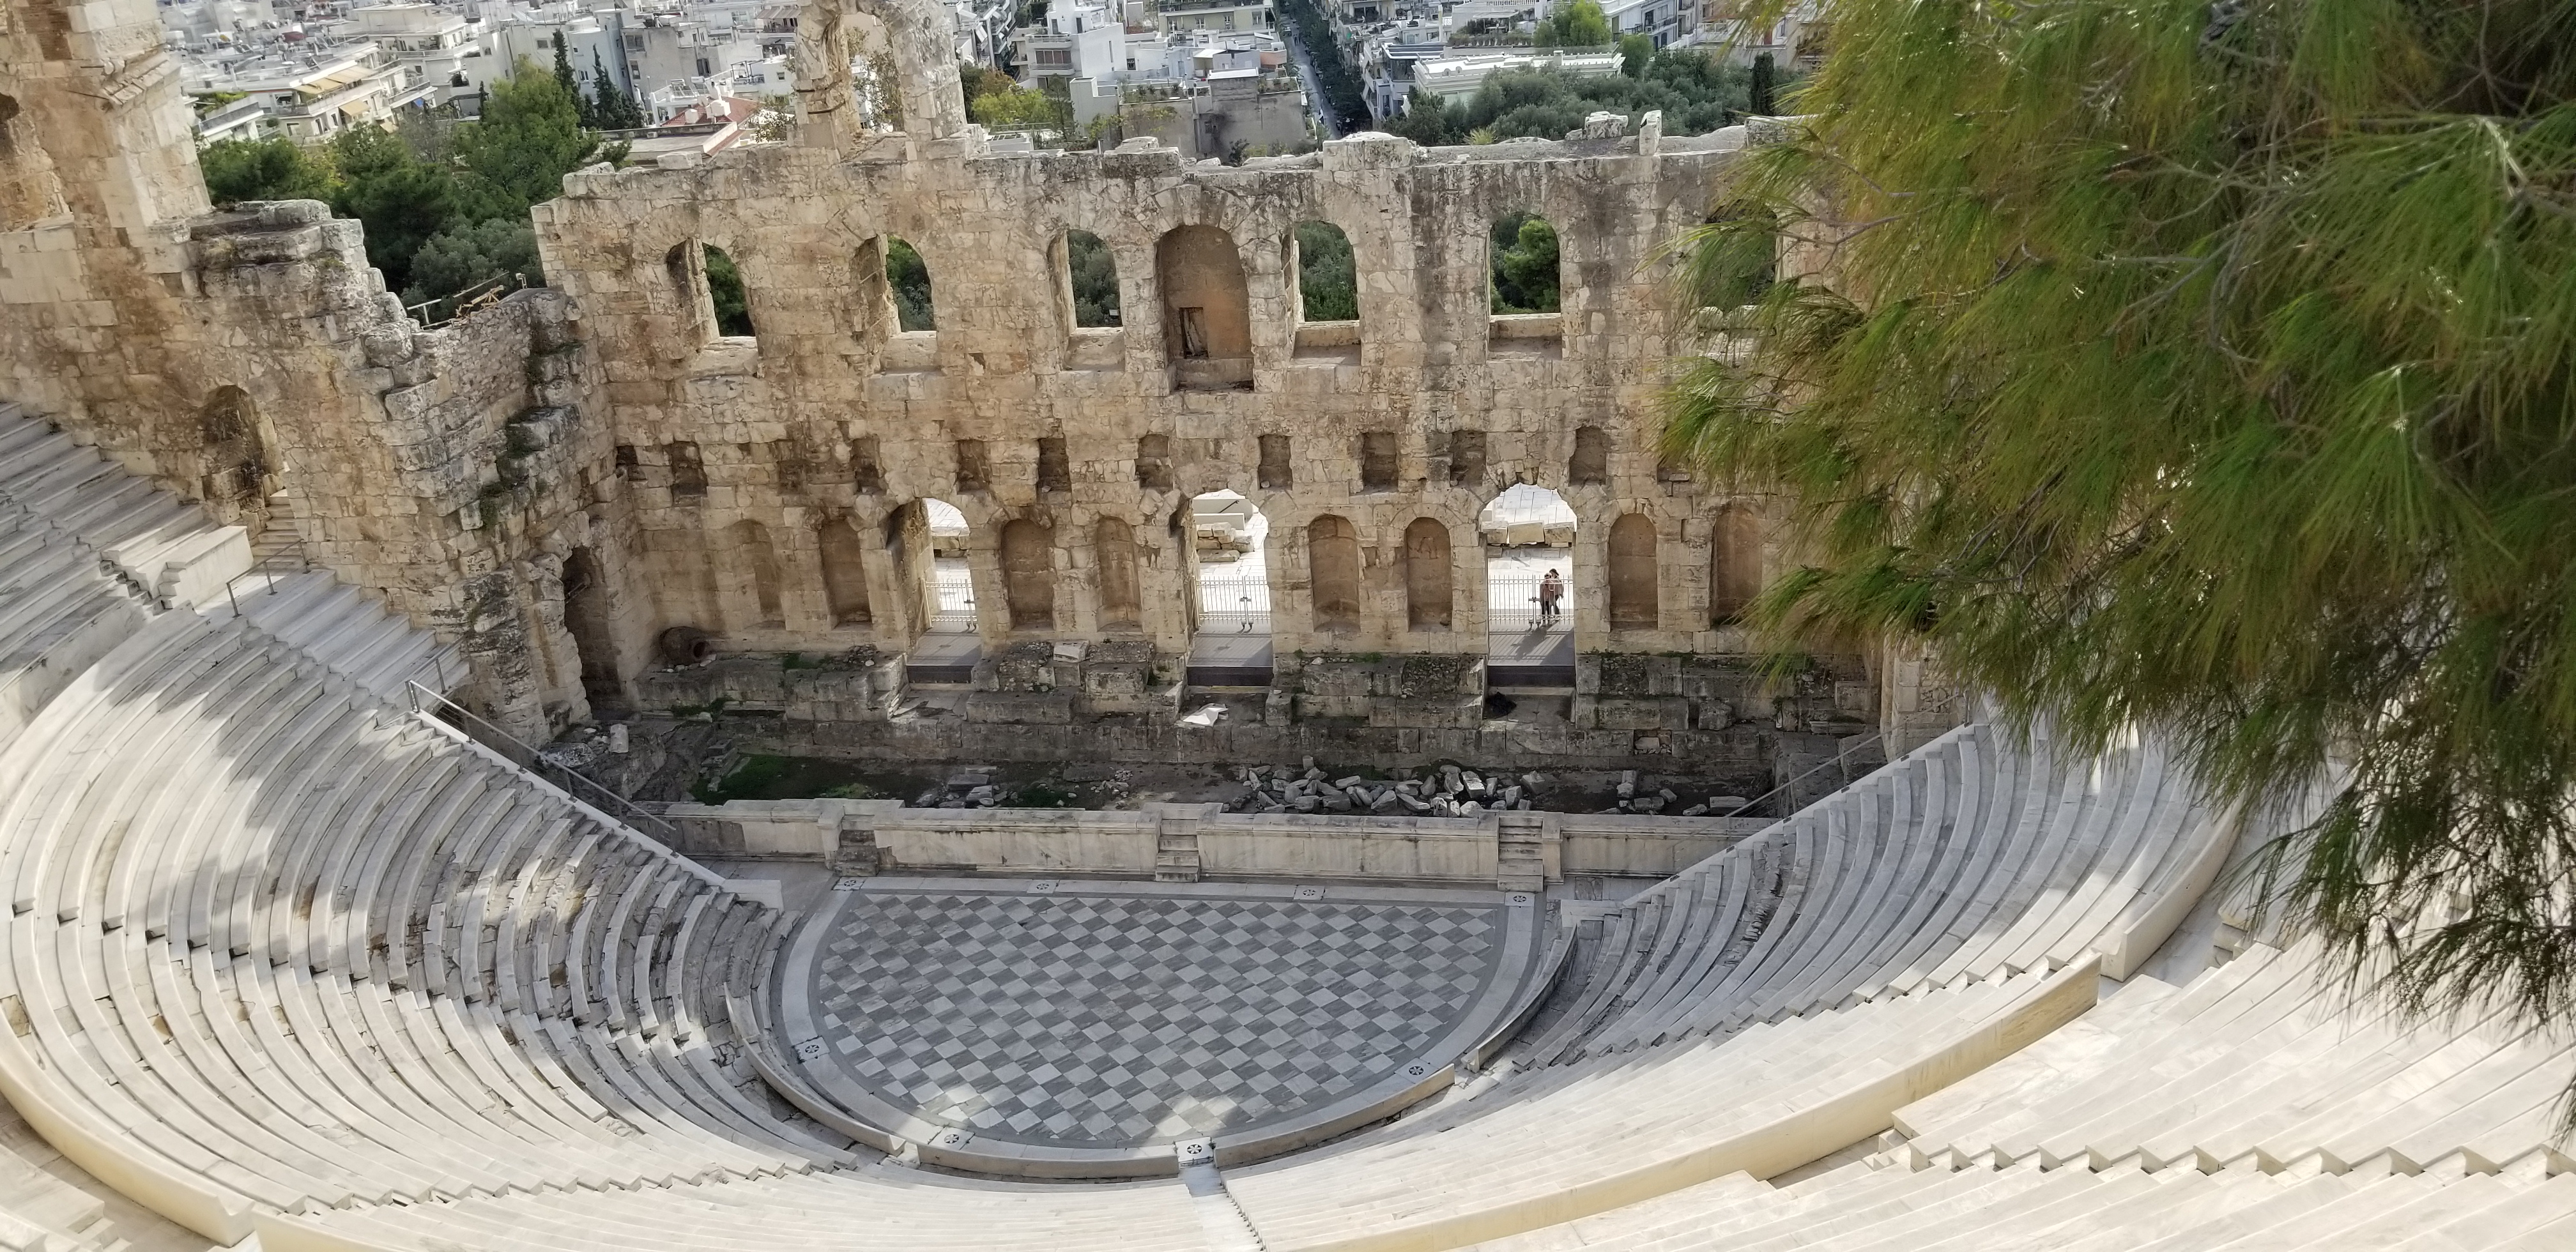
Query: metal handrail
{"x": 303, "y": 562}
{"x": 1841, "y": 757}
{"x": 430, "y": 704}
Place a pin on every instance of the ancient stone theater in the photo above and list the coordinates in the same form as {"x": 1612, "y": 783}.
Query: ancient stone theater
{"x": 318, "y": 943}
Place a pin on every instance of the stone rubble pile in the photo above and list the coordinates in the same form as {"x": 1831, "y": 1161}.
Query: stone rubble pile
{"x": 1449, "y": 791}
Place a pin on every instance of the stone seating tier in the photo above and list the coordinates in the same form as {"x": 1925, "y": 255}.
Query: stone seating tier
{"x": 1970, "y": 857}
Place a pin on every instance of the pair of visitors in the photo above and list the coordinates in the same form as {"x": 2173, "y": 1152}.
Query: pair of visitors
{"x": 1551, "y": 598}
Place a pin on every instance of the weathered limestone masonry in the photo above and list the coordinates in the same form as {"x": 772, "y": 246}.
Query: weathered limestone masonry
{"x": 253, "y": 359}
{"x": 556, "y": 482}
{"x": 778, "y": 480}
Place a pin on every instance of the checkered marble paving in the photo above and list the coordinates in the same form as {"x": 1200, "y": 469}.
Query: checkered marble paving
{"x": 1107, "y": 1021}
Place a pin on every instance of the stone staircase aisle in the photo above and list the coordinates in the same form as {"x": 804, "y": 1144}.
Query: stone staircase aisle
{"x": 1520, "y": 854}
{"x": 1176, "y": 849}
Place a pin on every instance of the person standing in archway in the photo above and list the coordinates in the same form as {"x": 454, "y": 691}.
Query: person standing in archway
{"x": 1551, "y": 594}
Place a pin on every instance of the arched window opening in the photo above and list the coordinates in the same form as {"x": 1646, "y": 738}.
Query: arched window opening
{"x": 1327, "y": 284}
{"x": 1634, "y": 603}
{"x": 845, "y": 572}
{"x": 1734, "y": 564}
{"x": 1427, "y": 575}
{"x": 1528, "y": 538}
{"x": 908, "y": 285}
{"x": 1333, "y": 568}
{"x": 726, "y": 295}
{"x": 1091, "y": 279}
{"x": 1525, "y": 275}
{"x": 1028, "y": 575}
{"x": 234, "y": 473}
{"x": 1207, "y": 309}
{"x": 1113, "y": 551}
{"x": 1743, "y": 260}
{"x": 587, "y": 618}
{"x": 1590, "y": 466}
{"x": 874, "y": 304}
{"x": 685, "y": 268}
{"x": 753, "y": 557}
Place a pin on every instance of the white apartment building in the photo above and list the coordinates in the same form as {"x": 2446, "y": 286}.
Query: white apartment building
{"x": 1079, "y": 39}
{"x": 433, "y": 40}
{"x": 307, "y": 95}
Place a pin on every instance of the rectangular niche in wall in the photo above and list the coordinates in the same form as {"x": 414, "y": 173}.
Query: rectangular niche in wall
{"x": 1378, "y": 460}
{"x": 1466, "y": 458}
{"x": 1274, "y": 473}
{"x": 972, "y": 472}
{"x": 1055, "y": 471}
{"x": 688, "y": 473}
{"x": 867, "y": 473}
{"x": 1154, "y": 462}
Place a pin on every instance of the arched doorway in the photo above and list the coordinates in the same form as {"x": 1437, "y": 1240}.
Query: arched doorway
{"x": 951, "y": 593}
{"x": 1528, "y": 534}
{"x": 587, "y": 616}
{"x": 234, "y": 459}
{"x": 1229, "y": 547}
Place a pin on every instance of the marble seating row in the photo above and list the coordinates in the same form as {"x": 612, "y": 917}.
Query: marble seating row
{"x": 1992, "y": 1204}
{"x": 1969, "y": 857}
{"x": 2263, "y": 1060}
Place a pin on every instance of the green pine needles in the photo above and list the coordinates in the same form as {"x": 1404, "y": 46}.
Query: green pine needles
{"x": 2205, "y": 366}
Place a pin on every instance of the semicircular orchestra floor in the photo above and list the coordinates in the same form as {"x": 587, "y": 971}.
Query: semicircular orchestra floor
{"x": 1112, "y": 1016}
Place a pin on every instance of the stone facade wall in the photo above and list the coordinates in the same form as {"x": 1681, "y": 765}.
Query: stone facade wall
{"x": 828, "y": 416}
{"x": 557, "y": 481}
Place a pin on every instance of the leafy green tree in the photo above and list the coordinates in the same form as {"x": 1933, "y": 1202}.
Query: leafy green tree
{"x": 262, "y": 169}
{"x": 1326, "y": 280}
{"x": 471, "y": 258}
{"x": 516, "y": 154}
{"x": 910, "y": 281}
{"x": 1095, "y": 279}
{"x": 2209, "y": 368}
{"x": 571, "y": 85}
{"x": 1426, "y": 120}
{"x": 1636, "y": 52}
{"x": 610, "y": 108}
{"x": 1020, "y": 108}
{"x": 724, "y": 288}
{"x": 1759, "y": 101}
{"x": 1524, "y": 250}
{"x": 1578, "y": 24}
{"x": 400, "y": 201}
{"x": 1695, "y": 92}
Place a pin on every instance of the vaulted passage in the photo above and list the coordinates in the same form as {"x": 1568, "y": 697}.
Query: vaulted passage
{"x": 235, "y": 477}
{"x": 1527, "y": 534}
{"x": 586, "y": 615}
